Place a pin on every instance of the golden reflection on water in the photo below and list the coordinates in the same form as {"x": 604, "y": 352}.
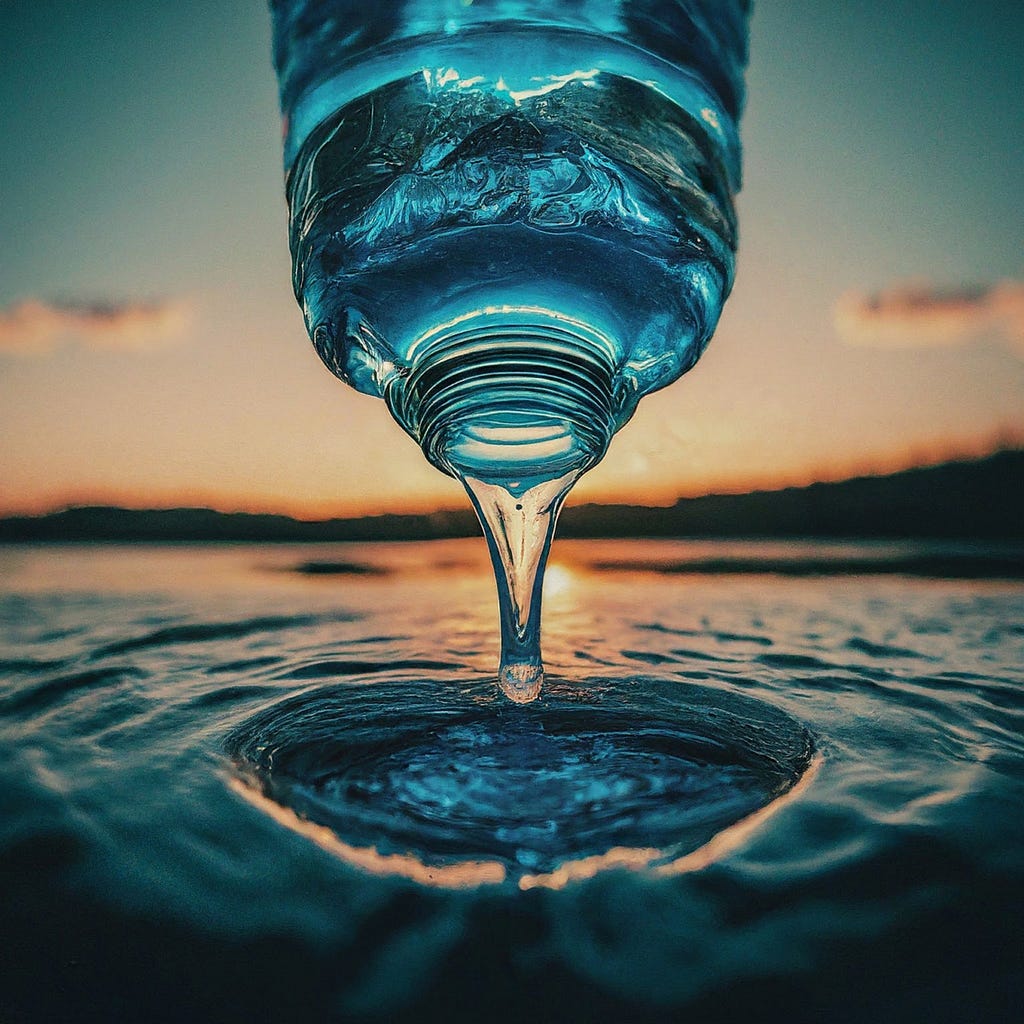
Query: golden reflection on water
{"x": 560, "y": 584}
{"x": 475, "y": 873}
{"x": 466, "y": 875}
{"x": 714, "y": 849}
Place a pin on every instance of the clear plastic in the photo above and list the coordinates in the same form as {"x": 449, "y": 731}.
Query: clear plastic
{"x": 511, "y": 221}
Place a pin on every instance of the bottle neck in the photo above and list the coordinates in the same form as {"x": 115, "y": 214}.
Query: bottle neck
{"x": 513, "y": 396}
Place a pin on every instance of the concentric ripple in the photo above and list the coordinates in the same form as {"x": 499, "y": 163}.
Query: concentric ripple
{"x": 452, "y": 787}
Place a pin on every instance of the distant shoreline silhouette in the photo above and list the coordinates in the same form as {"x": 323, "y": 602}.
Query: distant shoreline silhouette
{"x": 980, "y": 500}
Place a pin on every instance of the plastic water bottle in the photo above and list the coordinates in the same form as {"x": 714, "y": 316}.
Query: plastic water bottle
{"x": 511, "y": 220}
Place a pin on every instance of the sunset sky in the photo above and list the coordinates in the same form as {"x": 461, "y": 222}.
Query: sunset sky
{"x": 152, "y": 353}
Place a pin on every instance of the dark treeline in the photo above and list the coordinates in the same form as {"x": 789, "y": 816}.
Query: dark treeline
{"x": 982, "y": 500}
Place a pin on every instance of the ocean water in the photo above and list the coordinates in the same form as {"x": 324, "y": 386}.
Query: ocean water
{"x": 763, "y": 781}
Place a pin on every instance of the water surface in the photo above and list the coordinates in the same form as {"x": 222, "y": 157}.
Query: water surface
{"x": 279, "y": 782}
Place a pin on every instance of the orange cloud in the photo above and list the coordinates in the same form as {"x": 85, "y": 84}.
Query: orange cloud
{"x": 919, "y": 315}
{"x": 33, "y": 327}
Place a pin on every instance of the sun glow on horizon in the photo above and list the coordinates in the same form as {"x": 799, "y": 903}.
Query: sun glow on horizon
{"x": 451, "y": 499}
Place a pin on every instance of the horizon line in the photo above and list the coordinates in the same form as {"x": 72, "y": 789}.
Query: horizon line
{"x": 197, "y": 502}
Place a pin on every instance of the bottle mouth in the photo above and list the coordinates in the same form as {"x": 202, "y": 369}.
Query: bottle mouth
{"x": 510, "y": 395}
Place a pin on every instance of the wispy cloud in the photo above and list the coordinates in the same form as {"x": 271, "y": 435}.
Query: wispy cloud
{"x": 33, "y": 327}
{"x": 919, "y": 315}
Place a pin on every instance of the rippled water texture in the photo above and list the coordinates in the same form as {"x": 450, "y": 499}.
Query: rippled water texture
{"x": 245, "y": 783}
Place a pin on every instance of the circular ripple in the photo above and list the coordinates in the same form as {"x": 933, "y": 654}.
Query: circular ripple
{"x": 643, "y": 772}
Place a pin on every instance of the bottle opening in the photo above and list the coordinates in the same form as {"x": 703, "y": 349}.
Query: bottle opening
{"x": 512, "y": 395}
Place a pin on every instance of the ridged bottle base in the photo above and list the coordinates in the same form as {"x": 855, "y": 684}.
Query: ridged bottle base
{"x": 511, "y": 396}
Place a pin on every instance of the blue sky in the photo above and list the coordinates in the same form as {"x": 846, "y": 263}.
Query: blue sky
{"x": 140, "y": 161}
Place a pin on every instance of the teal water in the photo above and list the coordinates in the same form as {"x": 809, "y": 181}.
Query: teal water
{"x": 279, "y": 783}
